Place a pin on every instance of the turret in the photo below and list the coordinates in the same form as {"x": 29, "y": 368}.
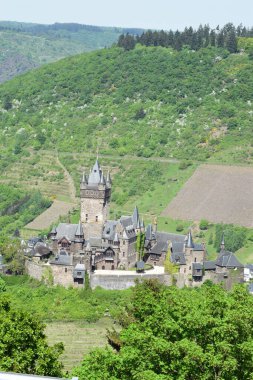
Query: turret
{"x": 222, "y": 245}
{"x": 95, "y": 200}
{"x": 189, "y": 242}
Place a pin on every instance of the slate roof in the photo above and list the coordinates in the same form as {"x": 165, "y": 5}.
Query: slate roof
{"x": 197, "y": 266}
{"x": 79, "y": 267}
{"x": 79, "y": 230}
{"x": 228, "y": 260}
{"x": 178, "y": 258}
{"x": 95, "y": 174}
{"x": 95, "y": 242}
{"x": 109, "y": 229}
{"x": 189, "y": 242}
{"x": 66, "y": 230}
{"x": 126, "y": 221}
{"x": 136, "y": 217}
{"x": 140, "y": 265}
{"x": 41, "y": 249}
{"x": 62, "y": 259}
{"x": 209, "y": 265}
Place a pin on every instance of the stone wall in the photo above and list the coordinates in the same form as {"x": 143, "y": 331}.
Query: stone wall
{"x": 63, "y": 275}
{"x": 119, "y": 282}
{"x": 34, "y": 269}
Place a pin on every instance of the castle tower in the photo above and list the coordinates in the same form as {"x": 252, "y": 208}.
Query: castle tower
{"x": 95, "y": 200}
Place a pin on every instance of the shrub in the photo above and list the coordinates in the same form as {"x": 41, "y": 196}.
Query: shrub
{"x": 203, "y": 225}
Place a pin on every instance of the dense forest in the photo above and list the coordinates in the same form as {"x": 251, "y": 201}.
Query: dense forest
{"x": 225, "y": 37}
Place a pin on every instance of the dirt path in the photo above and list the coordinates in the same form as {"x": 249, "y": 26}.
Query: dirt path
{"x": 58, "y": 208}
{"x": 69, "y": 179}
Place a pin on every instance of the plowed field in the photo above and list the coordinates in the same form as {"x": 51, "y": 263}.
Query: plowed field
{"x": 216, "y": 193}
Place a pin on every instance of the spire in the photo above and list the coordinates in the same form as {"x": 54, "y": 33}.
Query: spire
{"x": 149, "y": 231}
{"x": 53, "y": 232}
{"x": 136, "y": 218}
{"x": 79, "y": 230}
{"x": 84, "y": 178}
{"x": 88, "y": 247}
{"x": 102, "y": 179}
{"x": 222, "y": 244}
{"x": 95, "y": 174}
{"x": 189, "y": 243}
{"x": 108, "y": 178}
{"x": 142, "y": 224}
{"x": 116, "y": 238}
{"x": 138, "y": 226}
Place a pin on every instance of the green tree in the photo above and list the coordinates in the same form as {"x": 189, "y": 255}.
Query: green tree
{"x": 23, "y": 347}
{"x": 203, "y": 333}
{"x": 140, "y": 241}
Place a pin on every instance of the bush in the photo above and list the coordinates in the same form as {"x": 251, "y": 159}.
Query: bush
{"x": 203, "y": 225}
{"x": 179, "y": 228}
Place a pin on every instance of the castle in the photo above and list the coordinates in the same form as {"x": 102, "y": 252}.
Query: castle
{"x": 97, "y": 243}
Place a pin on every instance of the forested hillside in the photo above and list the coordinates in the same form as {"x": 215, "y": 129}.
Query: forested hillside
{"x": 24, "y": 46}
{"x": 150, "y": 101}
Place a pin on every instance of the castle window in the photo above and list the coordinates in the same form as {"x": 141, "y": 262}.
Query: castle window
{"x": 123, "y": 254}
{"x": 96, "y": 218}
{"x": 86, "y": 217}
{"x": 66, "y": 269}
{"x": 64, "y": 244}
{"x": 124, "y": 242}
{"x": 190, "y": 268}
{"x": 195, "y": 260}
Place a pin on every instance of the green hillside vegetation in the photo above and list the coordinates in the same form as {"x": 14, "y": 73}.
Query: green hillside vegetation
{"x": 147, "y": 102}
{"x": 24, "y": 46}
{"x": 60, "y": 304}
{"x": 19, "y": 207}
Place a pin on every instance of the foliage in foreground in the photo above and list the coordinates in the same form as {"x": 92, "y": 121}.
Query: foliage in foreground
{"x": 23, "y": 345}
{"x": 170, "y": 333}
{"x": 60, "y": 304}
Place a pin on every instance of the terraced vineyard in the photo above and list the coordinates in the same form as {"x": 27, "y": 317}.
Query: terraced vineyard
{"x": 78, "y": 338}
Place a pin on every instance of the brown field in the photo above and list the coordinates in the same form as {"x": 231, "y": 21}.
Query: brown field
{"x": 217, "y": 193}
{"x": 51, "y": 215}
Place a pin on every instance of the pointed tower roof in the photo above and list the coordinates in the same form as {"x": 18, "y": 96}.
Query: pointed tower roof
{"x": 53, "y": 232}
{"x": 136, "y": 218}
{"x": 149, "y": 231}
{"x": 102, "y": 179}
{"x": 116, "y": 238}
{"x": 222, "y": 244}
{"x": 84, "y": 178}
{"x": 79, "y": 230}
{"x": 108, "y": 178}
{"x": 138, "y": 226}
{"x": 88, "y": 247}
{"x": 142, "y": 223}
{"x": 189, "y": 242}
{"x": 95, "y": 174}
